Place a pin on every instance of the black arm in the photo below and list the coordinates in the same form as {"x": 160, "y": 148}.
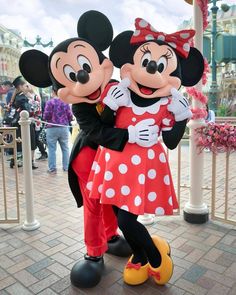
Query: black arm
{"x": 97, "y": 131}
{"x": 172, "y": 138}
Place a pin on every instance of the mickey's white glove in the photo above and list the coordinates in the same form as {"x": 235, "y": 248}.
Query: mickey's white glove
{"x": 118, "y": 95}
{"x": 144, "y": 133}
{"x": 179, "y": 106}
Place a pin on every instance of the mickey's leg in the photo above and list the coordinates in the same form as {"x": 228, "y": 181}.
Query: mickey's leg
{"x": 117, "y": 245}
{"x": 88, "y": 272}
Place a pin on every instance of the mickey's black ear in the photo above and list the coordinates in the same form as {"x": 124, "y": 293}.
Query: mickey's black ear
{"x": 95, "y": 27}
{"x": 33, "y": 66}
{"x": 192, "y": 67}
{"x": 121, "y": 52}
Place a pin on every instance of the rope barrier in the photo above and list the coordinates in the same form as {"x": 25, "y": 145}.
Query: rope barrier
{"x": 53, "y": 124}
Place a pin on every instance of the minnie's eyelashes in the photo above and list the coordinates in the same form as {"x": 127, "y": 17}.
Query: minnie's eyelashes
{"x": 145, "y": 49}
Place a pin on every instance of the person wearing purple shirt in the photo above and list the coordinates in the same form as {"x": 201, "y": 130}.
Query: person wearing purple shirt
{"x": 57, "y": 112}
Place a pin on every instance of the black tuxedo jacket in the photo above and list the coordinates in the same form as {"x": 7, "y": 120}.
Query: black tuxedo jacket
{"x": 96, "y": 130}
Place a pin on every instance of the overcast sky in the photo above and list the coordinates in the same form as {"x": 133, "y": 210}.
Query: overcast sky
{"x": 57, "y": 19}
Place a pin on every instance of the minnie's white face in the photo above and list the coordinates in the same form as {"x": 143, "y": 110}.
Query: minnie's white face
{"x": 150, "y": 74}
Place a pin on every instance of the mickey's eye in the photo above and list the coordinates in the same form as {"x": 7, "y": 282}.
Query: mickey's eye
{"x": 70, "y": 73}
{"x": 84, "y": 63}
{"x": 161, "y": 64}
{"x": 145, "y": 59}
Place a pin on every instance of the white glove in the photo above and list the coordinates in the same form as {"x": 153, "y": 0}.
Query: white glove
{"x": 118, "y": 95}
{"x": 179, "y": 106}
{"x": 144, "y": 133}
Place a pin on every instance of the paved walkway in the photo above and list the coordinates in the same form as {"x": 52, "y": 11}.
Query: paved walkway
{"x": 39, "y": 262}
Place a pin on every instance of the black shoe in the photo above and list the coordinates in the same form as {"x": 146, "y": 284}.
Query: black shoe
{"x": 34, "y": 166}
{"x": 12, "y": 163}
{"x": 87, "y": 273}
{"x": 118, "y": 246}
{"x": 43, "y": 157}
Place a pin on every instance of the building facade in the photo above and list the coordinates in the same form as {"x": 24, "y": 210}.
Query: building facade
{"x": 11, "y": 44}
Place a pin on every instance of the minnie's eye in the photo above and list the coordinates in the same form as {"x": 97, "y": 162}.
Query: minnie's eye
{"x": 145, "y": 59}
{"x": 70, "y": 73}
{"x": 161, "y": 64}
{"x": 84, "y": 63}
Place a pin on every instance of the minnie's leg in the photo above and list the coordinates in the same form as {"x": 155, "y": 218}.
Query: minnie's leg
{"x": 156, "y": 249}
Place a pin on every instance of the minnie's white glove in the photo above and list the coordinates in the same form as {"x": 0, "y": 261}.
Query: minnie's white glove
{"x": 144, "y": 133}
{"x": 118, "y": 95}
{"x": 179, "y": 106}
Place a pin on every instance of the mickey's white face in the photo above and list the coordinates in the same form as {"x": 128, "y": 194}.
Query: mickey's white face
{"x": 80, "y": 58}
{"x": 150, "y": 74}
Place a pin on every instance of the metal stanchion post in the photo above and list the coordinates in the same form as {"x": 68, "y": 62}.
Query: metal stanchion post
{"x": 30, "y": 222}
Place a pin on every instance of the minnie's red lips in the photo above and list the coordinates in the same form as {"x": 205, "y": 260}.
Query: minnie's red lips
{"x": 95, "y": 94}
{"x": 146, "y": 90}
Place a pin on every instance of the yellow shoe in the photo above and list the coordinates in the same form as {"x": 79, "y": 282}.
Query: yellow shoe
{"x": 135, "y": 274}
{"x": 163, "y": 273}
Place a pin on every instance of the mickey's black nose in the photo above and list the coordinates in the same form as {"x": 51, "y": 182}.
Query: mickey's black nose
{"x": 151, "y": 67}
{"x": 82, "y": 76}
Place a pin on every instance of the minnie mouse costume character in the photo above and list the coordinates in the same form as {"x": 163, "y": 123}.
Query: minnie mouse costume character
{"x": 79, "y": 72}
{"x": 138, "y": 180}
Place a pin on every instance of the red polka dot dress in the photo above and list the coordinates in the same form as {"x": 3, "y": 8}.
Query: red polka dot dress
{"x": 138, "y": 179}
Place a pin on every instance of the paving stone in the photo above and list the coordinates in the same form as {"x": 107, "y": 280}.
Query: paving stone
{"x": 212, "y": 265}
{"x": 218, "y": 289}
{"x": 194, "y": 273}
{"x": 213, "y": 254}
{"x": 61, "y": 285}
{"x": 61, "y": 258}
{"x": 35, "y": 255}
{"x": 3, "y": 274}
{"x": 25, "y": 278}
{"x": 42, "y": 274}
{"x": 59, "y": 269}
{"x": 224, "y": 280}
{"x": 206, "y": 282}
{"x": 195, "y": 255}
{"x": 40, "y": 265}
{"x": 190, "y": 287}
{"x": 47, "y": 291}
{"x": 19, "y": 266}
{"x": 231, "y": 271}
{"x": 6, "y": 282}
{"x": 18, "y": 289}
{"x": 43, "y": 284}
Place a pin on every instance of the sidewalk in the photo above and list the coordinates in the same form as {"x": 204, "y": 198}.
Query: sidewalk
{"x": 39, "y": 262}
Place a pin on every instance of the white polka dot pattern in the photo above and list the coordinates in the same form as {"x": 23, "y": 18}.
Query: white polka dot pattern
{"x": 110, "y": 193}
{"x": 125, "y": 207}
{"x": 123, "y": 168}
{"x": 170, "y": 201}
{"x": 149, "y": 37}
{"x": 159, "y": 211}
{"x": 151, "y": 154}
{"x": 97, "y": 169}
{"x": 186, "y": 47}
{"x": 136, "y": 160}
{"x": 167, "y": 180}
{"x": 100, "y": 188}
{"x": 141, "y": 178}
{"x": 162, "y": 158}
{"x": 108, "y": 175}
{"x": 94, "y": 165}
{"x": 172, "y": 44}
{"x": 161, "y": 38}
{"x": 125, "y": 190}
{"x": 152, "y": 196}
{"x": 166, "y": 121}
{"x": 152, "y": 174}
{"x": 107, "y": 157}
{"x": 137, "y": 201}
{"x": 143, "y": 23}
{"x": 89, "y": 185}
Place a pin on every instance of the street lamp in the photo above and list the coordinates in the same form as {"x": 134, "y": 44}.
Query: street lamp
{"x": 38, "y": 44}
{"x": 214, "y": 87}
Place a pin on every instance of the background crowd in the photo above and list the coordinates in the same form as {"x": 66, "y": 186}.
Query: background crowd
{"x": 20, "y": 95}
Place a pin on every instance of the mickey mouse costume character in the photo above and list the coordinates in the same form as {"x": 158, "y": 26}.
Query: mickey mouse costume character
{"x": 138, "y": 180}
{"x": 79, "y": 72}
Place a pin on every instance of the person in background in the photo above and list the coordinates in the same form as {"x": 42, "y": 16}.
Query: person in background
{"x": 57, "y": 112}
{"x": 36, "y": 113}
{"x": 20, "y": 102}
{"x": 210, "y": 118}
{"x": 8, "y": 86}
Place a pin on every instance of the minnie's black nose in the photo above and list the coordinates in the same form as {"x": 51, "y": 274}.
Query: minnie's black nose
{"x": 151, "y": 67}
{"x": 82, "y": 76}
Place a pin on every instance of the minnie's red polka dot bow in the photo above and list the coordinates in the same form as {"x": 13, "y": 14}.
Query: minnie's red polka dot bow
{"x": 179, "y": 40}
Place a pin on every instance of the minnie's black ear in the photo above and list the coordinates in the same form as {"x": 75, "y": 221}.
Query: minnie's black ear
{"x": 95, "y": 27}
{"x": 121, "y": 52}
{"x": 33, "y": 66}
{"x": 192, "y": 67}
